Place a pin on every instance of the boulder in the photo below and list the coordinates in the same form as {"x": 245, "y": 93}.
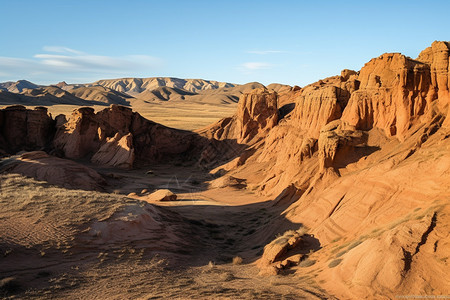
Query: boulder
{"x": 274, "y": 251}
{"x": 162, "y": 195}
{"x": 228, "y": 181}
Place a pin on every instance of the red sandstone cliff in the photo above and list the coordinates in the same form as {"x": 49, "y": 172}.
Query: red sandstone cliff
{"x": 363, "y": 159}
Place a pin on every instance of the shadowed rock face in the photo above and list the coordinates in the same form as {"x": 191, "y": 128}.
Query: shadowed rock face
{"x": 114, "y": 136}
{"x": 23, "y": 129}
{"x": 87, "y": 133}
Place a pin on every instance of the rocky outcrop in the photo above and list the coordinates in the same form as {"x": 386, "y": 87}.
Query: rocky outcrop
{"x": 255, "y": 116}
{"x": 25, "y": 129}
{"x": 62, "y": 172}
{"x": 278, "y": 250}
{"x": 336, "y": 142}
{"x": 318, "y": 106}
{"x": 228, "y": 181}
{"x": 394, "y": 91}
{"x": 161, "y": 195}
{"x": 86, "y": 132}
{"x": 257, "y": 112}
{"x": 117, "y": 152}
{"x": 346, "y": 74}
{"x": 437, "y": 57}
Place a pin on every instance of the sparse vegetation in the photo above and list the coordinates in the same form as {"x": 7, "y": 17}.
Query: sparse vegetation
{"x": 341, "y": 253}
{"x": 306, "y": 263}
{"x": 283, "y": 238}
{"x": 353, "y": 245}
{"x": 334, "y": 263}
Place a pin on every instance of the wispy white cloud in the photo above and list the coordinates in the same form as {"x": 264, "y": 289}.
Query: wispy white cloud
{"x": 57, "y": 61}
{"x": 60, "y": 49}
{"x": 264, "y": 52}
{"x": 250, "y": 66}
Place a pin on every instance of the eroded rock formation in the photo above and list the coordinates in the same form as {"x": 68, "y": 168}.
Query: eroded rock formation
{"x": 115, "y": 136}
{"x": 25, "y": 129}
{"x": 87, "y": 133}
{"x": 365, "y": 157}
{"x": 257, "y": 112}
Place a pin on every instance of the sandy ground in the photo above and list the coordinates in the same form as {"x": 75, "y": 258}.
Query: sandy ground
{"x": 69, "y": 244}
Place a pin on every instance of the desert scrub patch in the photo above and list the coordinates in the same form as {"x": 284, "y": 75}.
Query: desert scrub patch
{"x": 306, "y": 263}
{"x": 340, "y": 247}
{"x": 283, "y": 238}
{"x": 375, "y": 230}
{"x": 353, "y": 245}
{"x": 334, "y": 263}
{"x": 341, "y": 253}
{"x": 349, "y": 246}
{"x": 336, "y": 239}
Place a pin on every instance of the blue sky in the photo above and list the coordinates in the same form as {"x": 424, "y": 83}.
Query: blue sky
{"x": 291, "y": 42}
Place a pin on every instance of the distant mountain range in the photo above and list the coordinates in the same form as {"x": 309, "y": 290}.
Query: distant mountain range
{"x": 18, "y": 86}
{"x": 126, "y": 91}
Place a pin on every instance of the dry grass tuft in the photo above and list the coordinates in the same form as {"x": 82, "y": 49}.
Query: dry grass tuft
{"x": 306, "y": 263}
{"x": 237, "y": 260}
{"x": 334, "y": 263}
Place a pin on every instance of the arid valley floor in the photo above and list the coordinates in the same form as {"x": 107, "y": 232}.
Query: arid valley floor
{"x": 166, "y": 188}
